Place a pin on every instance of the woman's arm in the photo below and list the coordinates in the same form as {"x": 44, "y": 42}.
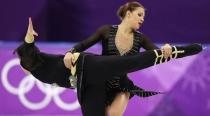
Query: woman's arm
{"x": 82, "y": 46}
{"x": 90, "y": 41}
{"x": 148, "y": 45}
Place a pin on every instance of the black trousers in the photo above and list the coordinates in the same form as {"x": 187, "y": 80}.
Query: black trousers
{"x": 98, "y": 69}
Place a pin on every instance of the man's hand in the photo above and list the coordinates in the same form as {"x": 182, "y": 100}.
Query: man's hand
{"x": 29, "y": 38}
{"x": 68, "y": 60}
{"x": 166, "y": 50}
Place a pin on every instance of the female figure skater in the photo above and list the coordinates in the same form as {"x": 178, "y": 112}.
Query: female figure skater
{"x": 121, "y": 40}
{"x": 86, "y": 69}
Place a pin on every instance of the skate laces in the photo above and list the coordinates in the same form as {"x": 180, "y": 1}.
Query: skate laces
{"x": 175, "y": 52}
{"x": 160, "y": 57}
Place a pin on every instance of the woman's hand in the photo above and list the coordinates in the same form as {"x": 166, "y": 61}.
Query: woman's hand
{"x": 68, "y": 58}
{"x": 166, "y": 50}
{"x": 29, "y": 38}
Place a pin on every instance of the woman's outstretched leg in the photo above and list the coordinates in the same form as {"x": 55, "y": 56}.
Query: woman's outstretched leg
{"x": 114, "y": 65}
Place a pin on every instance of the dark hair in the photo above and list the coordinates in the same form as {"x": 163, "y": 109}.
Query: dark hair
{"x": 28, "y": 56}
{"x": 129, "y": 6}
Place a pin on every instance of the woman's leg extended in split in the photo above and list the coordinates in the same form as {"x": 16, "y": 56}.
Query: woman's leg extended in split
{"x": 108, "y": 66}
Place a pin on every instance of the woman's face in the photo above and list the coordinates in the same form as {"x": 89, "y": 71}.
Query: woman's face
{"x": 136, "y": 18}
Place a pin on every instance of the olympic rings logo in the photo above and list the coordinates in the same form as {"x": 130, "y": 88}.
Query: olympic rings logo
{"x": 26, "y": 85}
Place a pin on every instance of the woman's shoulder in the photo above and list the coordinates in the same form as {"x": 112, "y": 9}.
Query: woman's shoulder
{"x": 139, "y": 33}
{"x": 104, "y": 29}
